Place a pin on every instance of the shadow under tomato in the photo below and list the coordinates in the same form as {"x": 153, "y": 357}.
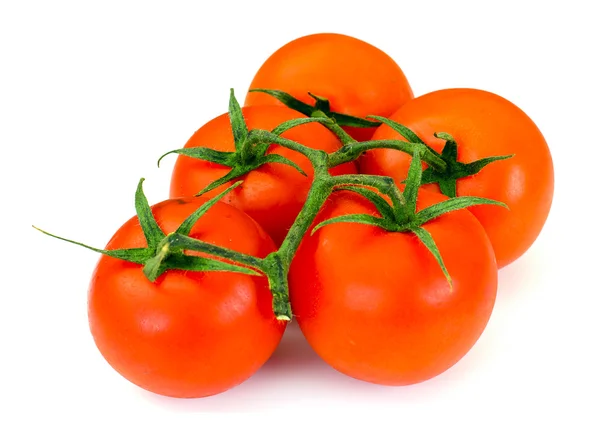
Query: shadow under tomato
{"x": 295, "y": 373}
{"x": 293, "y": 353}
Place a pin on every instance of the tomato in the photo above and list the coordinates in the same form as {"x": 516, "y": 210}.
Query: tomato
{"x": 376, "y": 306}
{"x": 484, "y": 125}
{"x": 357, "y": 78}
{"x": 189, "y": 334}
{"x": 274, "y": 193}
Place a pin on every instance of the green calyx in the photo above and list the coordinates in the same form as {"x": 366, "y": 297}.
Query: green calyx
{"x": 164, "y": 252}
{"x": 401, "y": 215}
{"x": 321, "y": 109}
{"x": 444, "y": 168}
{"x": 167, "y": 252}
{"x": 455, "y": 169}
{"x": 250, "y": 147}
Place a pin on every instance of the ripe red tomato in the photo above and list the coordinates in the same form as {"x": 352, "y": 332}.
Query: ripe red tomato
{"x": 189, "y": 334}
{"x": 376, "y": 306}
{"x": 357, "y": 78}
{"x": 274, "y": 193}
{"x": 484, "y": 125}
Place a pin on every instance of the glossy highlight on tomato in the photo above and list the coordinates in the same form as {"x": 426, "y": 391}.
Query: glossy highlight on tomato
{"x": 357, "y": 78}
{"x": 189, "y": 334}
{"x": 484, "y": 125}
{"x": 376, "y": 306}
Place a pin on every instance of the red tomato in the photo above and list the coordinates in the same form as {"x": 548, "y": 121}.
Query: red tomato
{"x": 483, "y": 125}
{"x": 274, "y": 193}
{"x": 357, "y": 78}
{"x": 376, "y": 306}
{"x": 189, "y": 334}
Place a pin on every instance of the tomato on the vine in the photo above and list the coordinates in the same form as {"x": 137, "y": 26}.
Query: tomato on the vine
{"x": 272, "y": 194}
{"x": 357, "y": 78}
{"x": 188, "y": 334}
{"x": 375, "y": 305}
{"x": 483, "y": 125}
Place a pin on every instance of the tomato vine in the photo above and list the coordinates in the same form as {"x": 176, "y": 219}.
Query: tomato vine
{"x": 166, "y": 252}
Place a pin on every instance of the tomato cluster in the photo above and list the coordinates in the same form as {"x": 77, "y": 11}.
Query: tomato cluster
{"x": 377, "y": 219}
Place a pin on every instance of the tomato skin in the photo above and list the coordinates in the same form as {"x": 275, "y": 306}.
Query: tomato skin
{"x": 483, "y": 124}
{"x": 357, "y": 78}
{"x": 274, "y": 193}
{"x": 376, "y": 306}
{"x": 189, "y": 334}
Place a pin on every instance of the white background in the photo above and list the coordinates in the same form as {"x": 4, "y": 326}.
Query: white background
{"x": 90, "y": 96}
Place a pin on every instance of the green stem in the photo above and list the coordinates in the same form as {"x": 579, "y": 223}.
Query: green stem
{"x": 277, "y": 274}
{"x": 385, "y": 185}
{"x": 273, "y": 266}
{"x": 278, "y": 263}
{"x": 317, "y": 195}
{"x": 183, "y": 242}
{"x": 310, "y": 153}
{"x": 353, "y": 150}
{"x": 334, "y": 127}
